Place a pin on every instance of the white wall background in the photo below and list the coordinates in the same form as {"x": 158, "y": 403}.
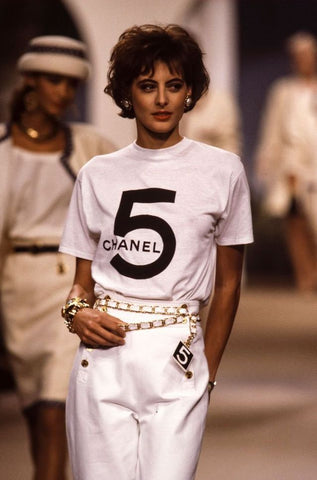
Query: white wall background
{"x": 102, "y": 21}
{"x": 214, "y": 22}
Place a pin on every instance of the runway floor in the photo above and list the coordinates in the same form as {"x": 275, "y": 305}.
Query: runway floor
{"x": 262, "y": 422}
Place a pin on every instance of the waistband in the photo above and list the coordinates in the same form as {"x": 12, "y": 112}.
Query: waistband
{"x": 35, "y": 249}
{"x": 161, "y": 315}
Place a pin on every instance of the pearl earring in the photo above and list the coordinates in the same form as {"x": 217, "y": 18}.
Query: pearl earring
{"x": 188, "y": 102}
{"x": 126, "y": 104}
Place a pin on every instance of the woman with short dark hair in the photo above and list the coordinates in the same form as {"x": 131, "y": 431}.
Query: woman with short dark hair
{"x": 149, "y": 225}
{"x": 137, "y": 51}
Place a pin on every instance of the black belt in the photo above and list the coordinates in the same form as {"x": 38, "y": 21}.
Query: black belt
{"x": 36, "y": 249}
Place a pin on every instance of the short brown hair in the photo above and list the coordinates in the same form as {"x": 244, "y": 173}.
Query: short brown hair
{"x": 138, "y": 49}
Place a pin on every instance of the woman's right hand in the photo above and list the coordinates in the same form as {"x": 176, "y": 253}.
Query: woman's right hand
{"x": 98, "y": 328}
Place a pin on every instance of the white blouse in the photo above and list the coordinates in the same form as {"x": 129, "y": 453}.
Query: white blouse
{"x": 40, "y": 196}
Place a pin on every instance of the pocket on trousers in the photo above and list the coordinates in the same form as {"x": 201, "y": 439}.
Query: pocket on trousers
{"x": 83, "y": 365}
{"x": 175, "y": 381}
{"x": 84, "y": 400}
{"x": 195, "y": 378}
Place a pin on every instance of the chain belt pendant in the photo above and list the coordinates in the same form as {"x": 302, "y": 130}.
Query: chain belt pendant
{"x": 183, "y": 355}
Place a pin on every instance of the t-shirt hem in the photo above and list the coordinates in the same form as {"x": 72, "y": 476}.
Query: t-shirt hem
{"x": 236, "y": 241}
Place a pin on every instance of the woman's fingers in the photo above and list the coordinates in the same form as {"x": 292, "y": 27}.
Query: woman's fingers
{"x": 99, "y": 328}
{"x": 96, "y": 340}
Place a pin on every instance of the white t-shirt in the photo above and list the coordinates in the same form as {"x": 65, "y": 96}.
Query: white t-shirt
{"x": 149, "y": 220}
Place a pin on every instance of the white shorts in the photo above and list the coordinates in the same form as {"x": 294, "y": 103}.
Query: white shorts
{"x": 132, "y": 413}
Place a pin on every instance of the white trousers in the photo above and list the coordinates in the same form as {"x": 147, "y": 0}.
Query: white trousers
{"x": 131, "y": 412}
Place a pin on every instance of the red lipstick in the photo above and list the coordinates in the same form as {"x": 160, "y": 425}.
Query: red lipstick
{"x": 162, "y": 115}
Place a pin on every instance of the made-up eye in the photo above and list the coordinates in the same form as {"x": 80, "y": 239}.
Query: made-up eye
{"x": 147, "y": 86}
{"x": 175, "y": 86}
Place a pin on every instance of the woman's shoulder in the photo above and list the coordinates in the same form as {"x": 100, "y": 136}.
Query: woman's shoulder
{"x": 90, "y": 135}
{"x": 83, "y": 127}
{"x": 104, "y": 161}
{"x": 214, "y": 153}
{"x": 4, "y": 133}
{"x": 85, "y": 130}
{"x": 217, "y": 159}
{"x": 283, "y": 85}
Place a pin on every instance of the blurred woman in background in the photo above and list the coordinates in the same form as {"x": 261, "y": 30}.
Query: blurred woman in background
{"x": 286, "y": 164}
{"x": 40, "y": 157}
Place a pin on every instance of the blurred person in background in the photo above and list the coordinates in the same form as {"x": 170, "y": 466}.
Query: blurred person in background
{"x": 40, "y": 157}
{"x": 286, "y": 163}
{"x": 215, "y": 121}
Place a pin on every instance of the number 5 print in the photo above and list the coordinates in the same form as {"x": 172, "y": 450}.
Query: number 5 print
{"x": 125, "y": 223}
{"x": 183, "y": 356}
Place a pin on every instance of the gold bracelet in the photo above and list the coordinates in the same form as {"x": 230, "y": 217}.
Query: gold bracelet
{"x": 69, "y": 310}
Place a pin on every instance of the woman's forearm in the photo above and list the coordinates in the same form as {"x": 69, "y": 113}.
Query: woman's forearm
{"x": 78, "y": 290}
{"x": 219, "y": 325}
{"x": 83, "y": 286}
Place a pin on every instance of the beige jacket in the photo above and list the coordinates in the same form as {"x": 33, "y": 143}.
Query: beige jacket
{"x": 84, "y": 142}
{"x": 287, "y": 144}
{"x": 215, "y": 120}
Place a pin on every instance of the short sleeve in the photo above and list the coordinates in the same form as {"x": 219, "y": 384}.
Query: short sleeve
{"x": 235, "y": 225}
{"x": 76, "y": 239}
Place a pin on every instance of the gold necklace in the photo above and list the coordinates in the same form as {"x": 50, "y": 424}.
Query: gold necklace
{"x": 35, "y": 135}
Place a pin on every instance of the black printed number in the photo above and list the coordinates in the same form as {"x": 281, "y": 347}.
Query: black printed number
{"x": 124, "y": 223}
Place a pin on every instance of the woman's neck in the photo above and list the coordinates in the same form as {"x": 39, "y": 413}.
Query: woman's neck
{"x": 38, "y": 126}
{"x": 155, "y": 141}
{"x": 38, "y": 132}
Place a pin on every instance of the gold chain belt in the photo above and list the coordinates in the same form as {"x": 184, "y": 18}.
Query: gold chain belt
{"x": 175, "y": 315}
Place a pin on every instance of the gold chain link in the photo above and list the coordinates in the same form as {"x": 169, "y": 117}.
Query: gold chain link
{"x": 176, "y": 315}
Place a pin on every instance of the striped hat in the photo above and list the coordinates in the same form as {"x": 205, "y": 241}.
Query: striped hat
{"x": 55, "y": 54}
